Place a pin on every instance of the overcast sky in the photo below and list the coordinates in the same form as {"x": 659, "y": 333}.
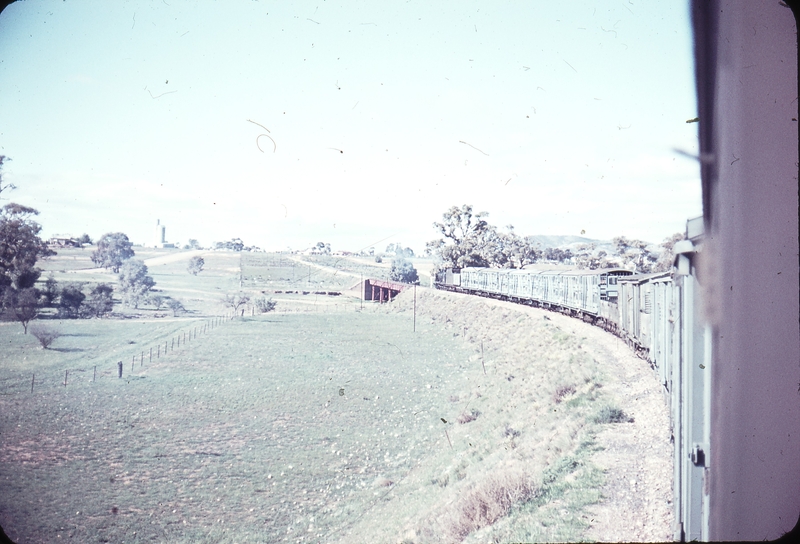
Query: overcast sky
{"x": 353, "y": 123}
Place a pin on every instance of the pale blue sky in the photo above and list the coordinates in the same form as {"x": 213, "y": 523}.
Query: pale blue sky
{"x": 556, "y": 117}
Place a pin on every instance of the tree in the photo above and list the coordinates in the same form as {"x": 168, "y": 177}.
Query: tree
{"x": 113, "y": 249}
{"x": 156, "y": 301}
{"x": 50, "y": 292}
{"x": 70, "y": 300}
{"x": 45, "y": 335}
{"x": 100, "y": 301}
{"x": 235, "y": 244}
{"x": 20, "y": 248}
{"x": 193, "y": 244}
{"x": 667, "y": 255}
{"x": 85, "y": 239}
{"x": 134, "y": 282}
{"x": 403, "y": 270}
{"x": 465, "y": 238}
{"x": 176, "y": 306}
{"x": 399, "y": 250}
{"x": 196, "y": 264}
{"x": 5, "y": 186}
{"x": 636, "y": 254}
{"x": 22, "y": 305}
{"x": 236, "y": 300}
{"x": 264, "y": 305}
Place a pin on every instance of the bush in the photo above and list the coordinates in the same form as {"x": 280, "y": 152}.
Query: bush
{"x": 466, "y": 417}
{"x": 609, "y": 414}
{"x": 264, "y": 305}
{"x": 44, "y": 334}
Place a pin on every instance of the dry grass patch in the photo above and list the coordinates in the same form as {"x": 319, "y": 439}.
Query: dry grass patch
{"x": 488, "y": 501}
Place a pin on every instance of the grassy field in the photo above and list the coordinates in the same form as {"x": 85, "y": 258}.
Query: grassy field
{"x": 320, "y": 422}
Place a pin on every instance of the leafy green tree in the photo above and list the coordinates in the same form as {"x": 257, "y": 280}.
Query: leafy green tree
{"x": 134, "y": 282}
{"x": 465, "y": 238}
{"x": 403, "y": 270}
{"x": 50, "y": 292}
{"x": 176, "y": 306}
{"x": 70, "y": 301}
{"x": 196, "y": 264}
{"x": 667, "y": 255}
{"x": 113, "y": 249}
{"x": 85, "y": 239}
{"x": 20, "y": 248}
{"x": 22, "y": 305}
{"x": 100, "y": 301}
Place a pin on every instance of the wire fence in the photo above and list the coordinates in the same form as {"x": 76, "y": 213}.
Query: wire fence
{"x": 31, "y": 383}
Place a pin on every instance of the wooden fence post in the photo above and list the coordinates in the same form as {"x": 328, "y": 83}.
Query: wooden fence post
{"x": 66, "y": 373}
{"x": 94, "y": 376}
{"x": 151, "y": 356}
{"x": 33, "y": 379}
{"x": 119, "y": 368}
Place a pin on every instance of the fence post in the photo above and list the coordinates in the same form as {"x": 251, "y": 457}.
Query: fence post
{"x": 119, "y": 368}
{"x": 151, "y": 356}
{"x": 33, "y": 379}
{"x": 94, "y": 376}
{"x": 66, "y": 373}
{"x": 141, "y": 360}
{"x": 133, "y": 363}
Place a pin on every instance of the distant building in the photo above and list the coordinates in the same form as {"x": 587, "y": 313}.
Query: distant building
{"x": 160, "y": 239}
{"x": 60, "y": 240}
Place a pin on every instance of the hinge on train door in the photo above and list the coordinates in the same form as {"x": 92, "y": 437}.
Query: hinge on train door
{"x": 698, "y": 456}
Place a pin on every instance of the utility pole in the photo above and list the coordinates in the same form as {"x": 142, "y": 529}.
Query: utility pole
{"x": 415, "y": 307}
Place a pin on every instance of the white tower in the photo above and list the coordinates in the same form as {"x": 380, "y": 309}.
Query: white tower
{"x": 161, "y": 234}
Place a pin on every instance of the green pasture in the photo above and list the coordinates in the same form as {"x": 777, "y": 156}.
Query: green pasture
{"x": 263, "y": 428}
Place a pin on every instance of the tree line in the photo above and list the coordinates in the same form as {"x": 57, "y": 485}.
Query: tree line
{"x": 468, "y": 240}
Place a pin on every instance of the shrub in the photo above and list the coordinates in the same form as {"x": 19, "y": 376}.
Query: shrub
{"x": 466, "y": 417}
{"x": 44, "y": 334}
{"x": 610, "y": 414}
{"x": 264, "y": 305}
{"x": 563, "y": 391}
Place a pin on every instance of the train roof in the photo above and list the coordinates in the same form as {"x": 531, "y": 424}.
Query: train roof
{"x": 554, "y": 272}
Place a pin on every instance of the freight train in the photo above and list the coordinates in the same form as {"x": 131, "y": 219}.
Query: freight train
{"x": 656, "y": 314}
{"x": 728, "y": 354}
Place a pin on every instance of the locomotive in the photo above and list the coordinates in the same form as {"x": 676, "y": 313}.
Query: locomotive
{"x": 656, "y": 314}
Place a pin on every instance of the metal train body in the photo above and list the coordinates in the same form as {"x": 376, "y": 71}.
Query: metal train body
{"x": 655, "y": 315}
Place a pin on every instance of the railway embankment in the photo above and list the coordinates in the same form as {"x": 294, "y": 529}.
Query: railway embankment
{"x": 564, "y": 437}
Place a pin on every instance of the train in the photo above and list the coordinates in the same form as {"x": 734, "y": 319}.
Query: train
{"x": 657, "y": 316}
{"x": 722, "y": 328}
